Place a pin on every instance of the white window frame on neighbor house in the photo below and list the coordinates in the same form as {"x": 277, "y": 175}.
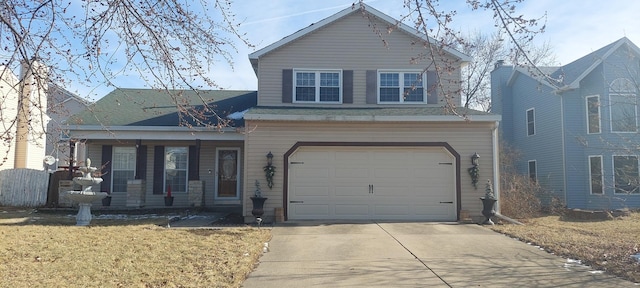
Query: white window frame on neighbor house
{"x": 636, "y": 190}
{"x": 535, "y": 170}
{"x": 123, "y": 167}
{"x": 171, "y": 164}
{"x": 622, "y": 88}
{"x": 531, "y": 122}
{"x": 596, "y": 124}
{"x": 592, "y": 175}
{"x": 318, "y": 84}
{"x": 402, "y": 86}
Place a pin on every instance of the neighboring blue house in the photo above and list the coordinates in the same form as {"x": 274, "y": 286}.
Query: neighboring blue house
{"x": 577, "y": 131}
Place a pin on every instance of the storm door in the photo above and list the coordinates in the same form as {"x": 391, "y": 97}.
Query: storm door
{"x": 227, "y": 174}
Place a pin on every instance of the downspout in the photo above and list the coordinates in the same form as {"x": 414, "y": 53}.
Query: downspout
{"x": 496, "y": 163}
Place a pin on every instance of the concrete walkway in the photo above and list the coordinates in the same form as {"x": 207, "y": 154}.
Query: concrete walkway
{"x": 314, "y": 254}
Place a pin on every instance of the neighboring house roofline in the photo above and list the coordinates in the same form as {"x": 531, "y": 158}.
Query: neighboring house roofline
{"x": 524, "y": 70}
{"x": 70, "y": 95}
{"x": 624, "y": 40}
{"x": 253, "y": 57}
{"x": 575, "y": 83}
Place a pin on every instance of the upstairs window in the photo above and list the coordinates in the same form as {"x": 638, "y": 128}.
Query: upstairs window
{"x": 593, "y": 114}
{"x": 401, "y": 87}
{"x": 317, "y": 86}
{"x": 531, "y": 122}
{"x": 622, "y": 98}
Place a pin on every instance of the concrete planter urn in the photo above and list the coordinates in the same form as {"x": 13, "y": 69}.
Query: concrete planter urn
{"x": 488, "y": 204}
{"x": 258, "y": 206}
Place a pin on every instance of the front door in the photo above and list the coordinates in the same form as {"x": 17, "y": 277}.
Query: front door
{"x": 227, "y": 173}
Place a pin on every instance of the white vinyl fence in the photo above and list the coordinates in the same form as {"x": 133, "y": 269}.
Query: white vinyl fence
{"x": 23, "y": 187}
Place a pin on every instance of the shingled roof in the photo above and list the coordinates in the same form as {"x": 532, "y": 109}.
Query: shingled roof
{"x": 150, "y": 107}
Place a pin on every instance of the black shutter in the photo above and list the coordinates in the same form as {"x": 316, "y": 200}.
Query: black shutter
{"x": 141, "y": 162}
{"x": 347, "y": 86}
{"x": 287, "y": 86}
{"x": 432, "y": 87}
{"x": 158, "y": 170}
{"x": 193, "y": 163}
{"x": 372, "y": 87}
{"x": 107, "y": 154}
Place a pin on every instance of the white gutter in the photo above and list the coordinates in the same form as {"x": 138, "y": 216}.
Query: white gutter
{"x": 373, "y": 118}
{"x": 152, "y": 133}
{"x": 496, "y": 164}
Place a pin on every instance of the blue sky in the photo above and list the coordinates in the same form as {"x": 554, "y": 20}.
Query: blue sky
{"x": 574, "y": 29}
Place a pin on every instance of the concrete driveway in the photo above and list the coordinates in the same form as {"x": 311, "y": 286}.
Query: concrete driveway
{"x": 307, "y": 254}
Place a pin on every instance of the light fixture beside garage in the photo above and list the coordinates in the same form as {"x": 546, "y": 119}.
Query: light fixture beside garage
{"x": 269, "y": 170}
{"x": 474, "y": 170}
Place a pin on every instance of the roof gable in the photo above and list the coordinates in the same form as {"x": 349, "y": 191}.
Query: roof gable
{"x": 150, "y": 107}
{"x": 568, "y": 77}
{"x": 253, "y": 57}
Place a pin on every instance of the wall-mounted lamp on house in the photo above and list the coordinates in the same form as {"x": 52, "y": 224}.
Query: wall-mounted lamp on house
{"x": 474, "y": 159}
{"x": 269, "y": 158}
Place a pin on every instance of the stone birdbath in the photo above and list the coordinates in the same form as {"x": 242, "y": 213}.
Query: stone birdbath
{"x": 85, "y": 197}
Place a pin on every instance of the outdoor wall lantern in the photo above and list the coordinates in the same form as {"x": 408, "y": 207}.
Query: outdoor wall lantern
{"x": 474, "y": 159}
{"x": 474, "y": 171}
{"x": 269, "y": 170}
{"x": 269, "y": 158}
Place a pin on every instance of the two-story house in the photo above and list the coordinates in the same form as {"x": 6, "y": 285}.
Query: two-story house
{"x": 577, "y": 130}
{"x": 357, "y": 129}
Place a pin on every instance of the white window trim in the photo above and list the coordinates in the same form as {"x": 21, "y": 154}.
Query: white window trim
{"x": 164, "y": 176}
{"x": 611, "y": 113}
{"x": 317, "y": 87}
{"x": 526, "y": 120}
{"x": 238, "y": 174}
{"x": 586, "y": 101}
{"x": 529, "y": 169}
{"x": 113, "y": 153}
{"x": 613, "y": 167}
{"x": 401, "y": 82}
{"x": 601, "y": 175}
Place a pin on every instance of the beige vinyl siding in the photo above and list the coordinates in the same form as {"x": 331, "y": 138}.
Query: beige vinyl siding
{"x": 207, "y": 161}
{"x": 348, "y": 44}
{"x": 9, "y": 108}
{"x": 278, "y": 137}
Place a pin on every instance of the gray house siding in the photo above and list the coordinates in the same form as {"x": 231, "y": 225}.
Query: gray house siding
{"x": 501, "y": 97}
{"x": 595, "y": 72}
{"x": 545, "y": 146}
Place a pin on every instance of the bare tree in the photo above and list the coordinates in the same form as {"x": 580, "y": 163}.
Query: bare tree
{"x": 512, "y": 40}
{"x": 170, "y": 44}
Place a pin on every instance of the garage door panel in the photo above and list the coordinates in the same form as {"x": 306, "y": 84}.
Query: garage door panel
{"x": 350, "y": 173}
{"x": 352, "y": 209}
{"x": 381, "y": 211}
{"x": 407, "y": 183}
{"x": 310, "y": 211}
{"x": 354, "y": 190}
{"x": 310, "y": 191}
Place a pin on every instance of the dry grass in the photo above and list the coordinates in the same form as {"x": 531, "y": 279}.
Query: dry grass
{"x": 46, "y": 250}
{"x": 605, "y": 245}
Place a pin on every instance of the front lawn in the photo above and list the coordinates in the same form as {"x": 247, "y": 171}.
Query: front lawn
{"x": 605, "y": 245}
{"x": 46, "y": 250}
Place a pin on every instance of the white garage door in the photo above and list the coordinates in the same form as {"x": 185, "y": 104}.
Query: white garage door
{"x": 386, "y": 183}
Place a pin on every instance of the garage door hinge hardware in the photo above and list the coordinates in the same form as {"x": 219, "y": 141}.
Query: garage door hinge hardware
{"x": 445, "y": 163}
{"x": 370, "y": 188}
{"x": 446, "y": 202}
{"x": 296, "y": 201}
{"x": 296, "y": 162}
